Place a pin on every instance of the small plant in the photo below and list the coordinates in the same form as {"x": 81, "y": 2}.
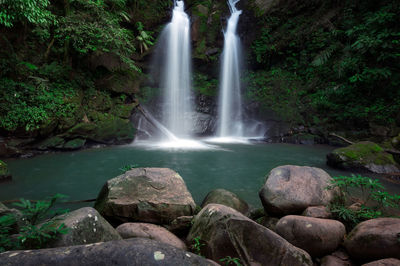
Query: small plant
{"x": 32, "y": 227}
{"x": 196, "y": 246}
{"x": 228, "y": 260}
{"x": 374, "y": 200}
{"x": 128, "y": 167}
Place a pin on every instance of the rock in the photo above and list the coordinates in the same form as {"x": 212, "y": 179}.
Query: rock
{"x": 226, "y": 232}
{"x": 55, "y": 142}
{"x": 85, "y": 226}
{"x": 4, "y": 172}
{"x": 384, "y": 262}
{"x": 180, "y": 226}
{"x": 375, "y": 239}
{"x": 75, "y": 144}
{"x": 364, "y": 155}
{"x": 227, "y": 198}
{"x": 152, "y": 195}
{"x": 317, "y": 212}
{"x": 151, "y": 231}
{"x": 109, "y": 129}
{"x": 269, "y": 222}
{"x": 378, "y": 130}
{"x": 291, "y": 189}
{"x": 396, "y": 142}
{"x": 334, "y": 261}
{"x": 316, "y": 236}
{"x": 135, "y": 252}
{"x": 3, "y": 208}
{"x": 256, "y": 214}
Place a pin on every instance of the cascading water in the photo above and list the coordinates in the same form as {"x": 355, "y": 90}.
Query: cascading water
{"x": 230, "y": 109}
{"x": 177, "y": 106}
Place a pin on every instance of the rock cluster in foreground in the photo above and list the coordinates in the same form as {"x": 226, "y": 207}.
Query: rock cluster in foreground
{"x": 154, "y": 212}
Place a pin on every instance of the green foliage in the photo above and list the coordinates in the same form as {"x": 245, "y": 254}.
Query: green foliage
{"x": 34, "y": 226}
{"x": 197, "y": 245}
{"x": 346, "y": 57}
{"x": 228, "y": 260}
{"x": 205, "y": 86}
{"x": 128, "y": 167}
{"x": 144, "y": 38}
{"x": 278, "y": 90}
{"x": 32, "y": 11}
{"x": 375, "y": 200}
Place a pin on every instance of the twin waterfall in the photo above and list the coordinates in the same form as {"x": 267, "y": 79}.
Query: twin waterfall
{"x": 175, "y": 80}
{"x": 230, "y": 103}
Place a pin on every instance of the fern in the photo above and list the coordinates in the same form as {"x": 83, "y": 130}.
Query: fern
{"x": 324, "y": 56}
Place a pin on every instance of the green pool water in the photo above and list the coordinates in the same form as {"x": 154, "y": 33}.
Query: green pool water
{"x": 237, "y": 167}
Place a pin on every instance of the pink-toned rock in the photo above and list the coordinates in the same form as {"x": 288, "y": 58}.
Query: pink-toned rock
{"x": 290, "y": 189}
{"x": 151, "y": 231}
{"x": 384, "y": 262}
{"x": 375, "y": 239}
{"x": 317, "y": 212}
{"x": 226, "y": 232}
{"x": 316, "y": 236}
{"x": 151, "y": 195}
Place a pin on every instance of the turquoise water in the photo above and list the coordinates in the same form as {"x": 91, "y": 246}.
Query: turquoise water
{"x": 80, "y": 175}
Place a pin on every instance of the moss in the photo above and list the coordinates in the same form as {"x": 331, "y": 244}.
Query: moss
{"x": 75, "y": 144}
{"x": 123, "y": 110}
{"x": 53, "y": 142}
{"x": 4, "y": 169}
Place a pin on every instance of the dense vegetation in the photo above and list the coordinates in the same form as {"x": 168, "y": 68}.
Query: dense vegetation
{"x": 332, "y": 62}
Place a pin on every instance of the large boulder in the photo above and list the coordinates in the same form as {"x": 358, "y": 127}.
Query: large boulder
{"x": 317, "y": 212}
{"x": 151, "y": 231}
{"x": 4, "y": 172}
{"x": 227, "y": 198}
{"x": 85, "y": 226}
{"x": 152, "y": 195}
{"x": 180, "y": 226}
{"x": 291, "y": 189}
{"x": 364, "y": 155}
{"x": 375, "y": 239}
{"x": 226, "y": 232}
{"x": 384, "y": 262}
{"x": 316, "y": 236}
{"x": 134, "y": 251}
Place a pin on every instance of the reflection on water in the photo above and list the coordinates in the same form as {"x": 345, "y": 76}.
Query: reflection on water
{"x": 236, "y": 167}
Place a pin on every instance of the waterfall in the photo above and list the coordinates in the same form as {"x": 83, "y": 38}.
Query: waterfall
{"x": 230, "y": 109}
{"x": 176, "y": 74}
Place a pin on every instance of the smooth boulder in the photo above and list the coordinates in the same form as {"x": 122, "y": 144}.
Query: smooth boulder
{"x": 134, "y": 251}
{"x": 85, "y": 226}
{"x": 151, "y": 195}
{"x": 317, "y": 236}
{"x": 375, "y": 239}
{"x": 151, "y": 231}
{"x": 226, "y": 232}
{"x": 317, "y": 212}
{"x": 384, "y": 262}
{"x": 227, "y": 198}
{"x": 365, "y": 155}
{"x": 291, "y": 189}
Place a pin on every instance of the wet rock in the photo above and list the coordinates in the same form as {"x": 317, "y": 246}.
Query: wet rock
{"x": 55, "y": 142}
{"x": 375, "y": 239}
{"x": 291, "y": 189}
{"x": 269, "y": 222}
{"x": 135, "y": 252}
{"x": 85, "y": 226}
{"x": 316, "y": 236}
{"x": 384, "y": 262}
{"x": 226, "y": 232}
{"x": 227, "y": 198}
{"x": 364, "y": 155}
{"x": 5, "y": 174}
{"x": 152, "y": 195}
{"x": 74, "y": 144}
{"x": 151, "y": 231}
{"x": 180, "y": 226}
{"x": 317, "y": 212}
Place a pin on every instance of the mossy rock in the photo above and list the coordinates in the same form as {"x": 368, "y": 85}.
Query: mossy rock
{"x": 108, "y": 129}
{"x": 364, "y": 155}
{"x": 123, "y": 110}
{"x": 4, "y": 172}
{"x": 75, "y": 144}
{"x": 100, "y": 101}
{"x": 396, "y": 142}
{"x": 51, "y": 143}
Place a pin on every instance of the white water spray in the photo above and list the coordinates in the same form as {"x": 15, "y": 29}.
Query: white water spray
{"x": 177, "y": 105}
